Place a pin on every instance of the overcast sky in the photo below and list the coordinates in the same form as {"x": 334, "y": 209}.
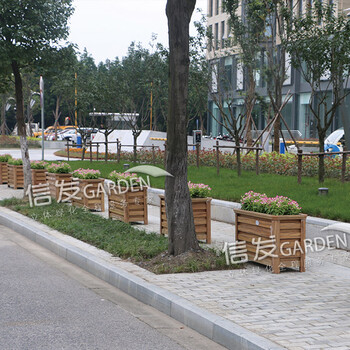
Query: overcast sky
{"x": 107, "y": 27}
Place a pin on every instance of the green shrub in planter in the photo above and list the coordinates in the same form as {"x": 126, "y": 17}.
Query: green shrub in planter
{"x": 38, "y": 164}
{"x": 4, "y": 158}
{"x": 14, "y": 161}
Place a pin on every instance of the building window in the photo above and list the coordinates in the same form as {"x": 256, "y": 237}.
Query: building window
{"x": 223, "y": 34}
{"x": 217, "y": 7}
{"x": 216, "y": 36}
{"x": 228, "y": 73}
{"x": 288, "y": 70}
{"x": 304, "y": 115}
{"x": 210, "y": 38}
{"x": 210, "y": 8}
{"x": 240, "y": 75}
{"x": 214, "y": 78}
{"x": 300, "y": 8}
{"x": 309, "y": 7}
{"x": 258, "y": 69}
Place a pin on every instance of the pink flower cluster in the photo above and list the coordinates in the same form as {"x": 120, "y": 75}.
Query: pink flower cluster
{"x": 38, "y": 164}
{"x": 60, "y": 168}
{"x": 130, "y": 178}
{"x": 199, "y": 190}
{"x": 86, "y": 173}
{"x": 278, "y": 205}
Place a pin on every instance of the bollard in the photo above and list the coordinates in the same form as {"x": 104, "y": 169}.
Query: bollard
{"x": 323, "y": 191}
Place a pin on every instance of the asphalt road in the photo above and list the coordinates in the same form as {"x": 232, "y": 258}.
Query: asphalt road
{"x": 34, "y": 153}
{"x": 48, "y": 303}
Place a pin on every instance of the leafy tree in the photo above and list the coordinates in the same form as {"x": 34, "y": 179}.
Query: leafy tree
{"x": 277, "y": 15}
{"x": 320, "y": 48}
{"x": 181, "y": 231}
{"x": 198, "y": 76}
{"x": 30, "y": 32}
{"x": 248, "y": 33}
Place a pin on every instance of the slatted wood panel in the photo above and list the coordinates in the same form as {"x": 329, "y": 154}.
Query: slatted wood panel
{"x": 201, "y": 214}
{"x": 39, "y": 176}
{"x": 3, "y": 173}
{"x": 289, "y": 232}
{"x": 15, "y": 176}
{"x": 92, "y": 197}
{"x": 130, "y": 206}
{"x": 52, "y": 178}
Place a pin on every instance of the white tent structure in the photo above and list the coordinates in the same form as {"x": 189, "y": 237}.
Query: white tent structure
{"x": 146, "y": 138}
{"x": 126, "y": 139}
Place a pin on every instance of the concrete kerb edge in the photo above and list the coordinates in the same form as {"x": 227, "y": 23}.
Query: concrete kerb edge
{"x": 214, "y": 327}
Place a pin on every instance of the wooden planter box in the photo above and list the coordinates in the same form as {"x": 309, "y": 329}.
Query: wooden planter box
{"x": 39, "y": 176}
{"x": 94, "y": 203}
{"x": 289, "y": 238}
{"x": 15, "y": 176}
{"x": 3, "y": 173}
{"x": 130, "y": 206}
{"x": 51, "y": 180}
{"x": 201, "y": 214}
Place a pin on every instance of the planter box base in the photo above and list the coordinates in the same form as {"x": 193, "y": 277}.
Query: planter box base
{"x": 3, "y": 173}
{"x": 130, "y": 206}
{"x": 272, "y": 240}
{"x": 201, "y": 214}
{"x": 91, "y": 186}
{"x": 15, "y": 176}
{"x": 55, "y": 190}
{"x": 39, "y": 176}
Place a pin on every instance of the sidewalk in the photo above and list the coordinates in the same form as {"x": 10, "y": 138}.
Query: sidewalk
{"x": 291, "y": 310}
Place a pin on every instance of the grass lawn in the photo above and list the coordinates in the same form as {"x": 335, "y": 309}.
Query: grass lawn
{"x": 228, "y": 186}
{"x": 120, "y": 239}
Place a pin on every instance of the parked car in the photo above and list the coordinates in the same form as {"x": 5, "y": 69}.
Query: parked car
{"x": 67, "y": 135}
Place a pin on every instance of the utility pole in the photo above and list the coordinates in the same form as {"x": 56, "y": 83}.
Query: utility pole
{"x": 151, "y": 106}
{"x": 76, "y": 103}
{"x": 41, "y": 84}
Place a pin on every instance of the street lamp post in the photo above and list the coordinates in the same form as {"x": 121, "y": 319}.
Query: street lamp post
{"x": 42, "y": 116}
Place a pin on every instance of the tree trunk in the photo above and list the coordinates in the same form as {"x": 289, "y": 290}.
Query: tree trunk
{"x": 106, "y": 147}
{"x": 238, "y": 153}
{"x": 3, "y": 115}
{"x": 277, "y": 124}
{"x": 279, "y": 79}
{"x": 342, "y": 109}
{"x": 321, "y": 171}
{"x": 29, "y": 118}
{"x": 57, "y": 115}
{"x": 21, "y": 127}
{"x": 135, "y": 148}
{"x": 181, "y": 231}
{"x": 249, "y": 105}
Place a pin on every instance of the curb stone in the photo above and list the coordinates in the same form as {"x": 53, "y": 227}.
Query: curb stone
{"x": 216, "y": 328}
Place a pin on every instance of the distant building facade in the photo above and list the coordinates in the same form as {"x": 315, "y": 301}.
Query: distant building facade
{"x": 296, "y": 113}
